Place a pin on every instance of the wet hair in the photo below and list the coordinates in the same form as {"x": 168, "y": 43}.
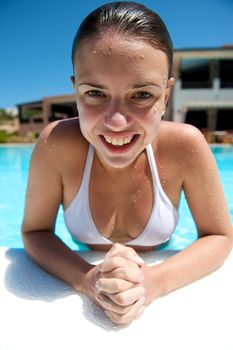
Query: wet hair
{"x": 126, "y": 18}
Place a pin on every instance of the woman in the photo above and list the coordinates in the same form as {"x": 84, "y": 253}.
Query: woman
{"x": 118, "y": 170}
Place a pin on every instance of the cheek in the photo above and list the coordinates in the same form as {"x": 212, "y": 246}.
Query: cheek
{"x": 153, "y": 119}
{"x": 155, "y": 113}
{"x": 85, "y": 114}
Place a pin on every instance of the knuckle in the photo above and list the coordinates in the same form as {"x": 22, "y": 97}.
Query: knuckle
{"x": 117, "y": 285}
{"x": 141, "y": 290}
{"x": 120, "y": 319}
{"x": 131, "y": 251}
{"x": 114, "y": 261}
{"x": 125, "y": 319}
{"x": 117, "y": 245}
{"x": 123, "y": 310}
{"x": 121, "y": 299}
{"x": 120, "y": 273}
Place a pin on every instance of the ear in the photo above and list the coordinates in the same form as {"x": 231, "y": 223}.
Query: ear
{"x": 170, "y": 85}
{"x": 72, "y": 78}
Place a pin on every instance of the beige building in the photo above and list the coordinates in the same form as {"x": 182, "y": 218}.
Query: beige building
{"x": 202, "y": 95}
{"x": 203, "y": 92}
{"x": 34, "y": 116}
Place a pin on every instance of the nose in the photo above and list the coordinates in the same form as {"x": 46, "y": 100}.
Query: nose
{"x": 116, "y": 121}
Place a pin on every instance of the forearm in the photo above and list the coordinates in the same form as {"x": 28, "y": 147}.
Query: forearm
{"x": 196, "y": 261}
{"x": 50, "y": 253}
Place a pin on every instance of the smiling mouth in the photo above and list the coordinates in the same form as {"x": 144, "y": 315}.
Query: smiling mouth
{"x": 119, "y": 143}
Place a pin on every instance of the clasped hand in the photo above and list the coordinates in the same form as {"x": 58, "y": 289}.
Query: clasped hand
{"x": 120, "y": 285}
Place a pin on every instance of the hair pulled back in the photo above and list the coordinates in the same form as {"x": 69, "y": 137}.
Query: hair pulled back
{"x": 126, "y": 18}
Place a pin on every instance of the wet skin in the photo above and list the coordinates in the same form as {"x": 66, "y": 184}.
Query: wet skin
{"x": 122, "y": 87}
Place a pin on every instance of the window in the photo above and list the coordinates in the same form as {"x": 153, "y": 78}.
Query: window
{"x": 195, "y": 73}
{"x": 226, "y": 73}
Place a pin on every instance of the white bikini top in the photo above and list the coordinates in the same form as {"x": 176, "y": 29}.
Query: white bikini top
{"x": 161, "y": 224}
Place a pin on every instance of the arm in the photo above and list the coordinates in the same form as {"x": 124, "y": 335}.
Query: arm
{"x": 206, "y": 200}
{"x": 44, "y": 195}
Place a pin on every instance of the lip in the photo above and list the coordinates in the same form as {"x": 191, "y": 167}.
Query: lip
{"x": 119, "y": 149}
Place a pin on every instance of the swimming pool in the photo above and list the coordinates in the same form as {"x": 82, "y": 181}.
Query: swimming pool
{"x": 14, "y": 164}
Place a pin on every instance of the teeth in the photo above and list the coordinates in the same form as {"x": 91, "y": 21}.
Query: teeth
{"x": 118, "y": 141}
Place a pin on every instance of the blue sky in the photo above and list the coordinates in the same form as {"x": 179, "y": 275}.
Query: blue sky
{"x": 36, "y": 39}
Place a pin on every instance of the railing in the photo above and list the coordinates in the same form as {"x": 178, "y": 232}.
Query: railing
{"x": 196, "y": 84}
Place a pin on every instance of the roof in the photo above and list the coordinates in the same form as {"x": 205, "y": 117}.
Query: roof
{"x": 221, "y": 48}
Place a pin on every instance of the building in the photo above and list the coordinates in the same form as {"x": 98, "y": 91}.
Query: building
{"x": 34, "y": 116}
{"x": 203, "y": 92}
{"x": 202, "y": 95}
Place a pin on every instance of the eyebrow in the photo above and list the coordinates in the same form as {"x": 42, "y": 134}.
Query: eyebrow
{"x": 93, "y": 85}
{"x": 135, "y": 86}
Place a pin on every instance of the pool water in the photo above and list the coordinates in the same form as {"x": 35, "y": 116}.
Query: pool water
{"x": 14, "y": 164}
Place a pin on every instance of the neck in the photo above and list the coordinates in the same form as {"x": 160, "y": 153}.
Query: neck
{"x": 116, "y": 173}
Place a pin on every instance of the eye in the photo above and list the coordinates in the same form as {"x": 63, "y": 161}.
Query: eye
{"x": 142, "y": 95}
{"x": 95, "y": 93}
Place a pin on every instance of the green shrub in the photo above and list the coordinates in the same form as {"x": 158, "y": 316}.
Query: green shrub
{"x": 3, "y": 136}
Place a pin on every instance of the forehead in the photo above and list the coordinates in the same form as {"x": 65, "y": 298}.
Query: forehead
{"x": 119, "y": 52}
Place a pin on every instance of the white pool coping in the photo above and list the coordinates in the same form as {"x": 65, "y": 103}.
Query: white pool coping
{"x": 38, "y": 312}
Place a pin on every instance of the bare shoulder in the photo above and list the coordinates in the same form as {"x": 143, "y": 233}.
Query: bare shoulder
{"x": 63, "y": 141}
{"x": 64, "y": 132}
{"x": 183, "y": 143}
{"x": 180, "y": 135}
{"x": 58, "y": 152}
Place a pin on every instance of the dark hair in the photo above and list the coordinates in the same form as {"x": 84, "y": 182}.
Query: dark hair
{"x": 128, "y": 18}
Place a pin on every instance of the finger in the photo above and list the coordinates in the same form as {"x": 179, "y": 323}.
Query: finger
{"x": 128, "y": 317}
{"x": 108, "y": 305}
{"x": 129, "y": 274}
{"x": 127, "y": 297}
{"x": 116, "y": 247}
{"x": 140, "y": 312}
{"x": 113, "y": 285}
{"x": 126, "y": 252}
{"x": 112, "y": 263}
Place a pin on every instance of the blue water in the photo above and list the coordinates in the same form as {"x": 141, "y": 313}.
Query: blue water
{"x": 14, "y": 164}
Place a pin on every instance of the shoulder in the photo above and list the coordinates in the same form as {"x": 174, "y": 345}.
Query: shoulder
{"x": 180, "y": 140}
{"x": 180, "y": 134}
{"x": 67, "y": 130}
{"x": 62, "y": 142}
{"x": 183, "y": 147}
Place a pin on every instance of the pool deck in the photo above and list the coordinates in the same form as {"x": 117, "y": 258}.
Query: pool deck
{"x": 41, "y": 312}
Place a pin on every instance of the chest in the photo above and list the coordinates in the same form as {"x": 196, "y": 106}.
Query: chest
{"x": 121, "y": 205}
